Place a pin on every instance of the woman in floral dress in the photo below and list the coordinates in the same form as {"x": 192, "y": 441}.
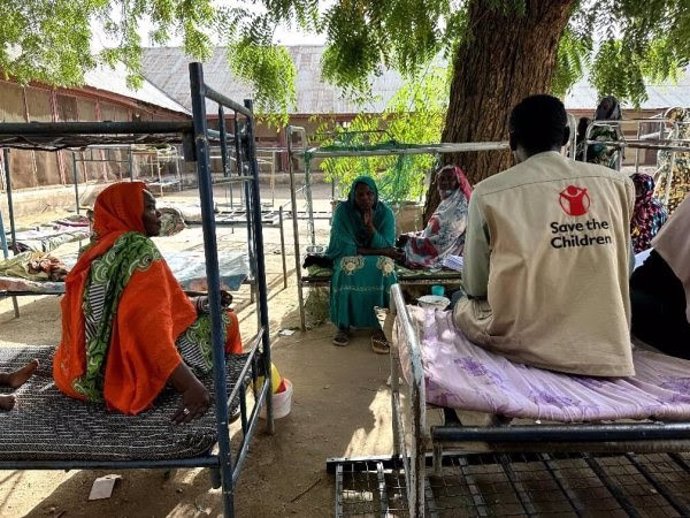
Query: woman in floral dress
{"x": 363, "y": 255}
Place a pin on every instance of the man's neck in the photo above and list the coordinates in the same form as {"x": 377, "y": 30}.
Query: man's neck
{"x": 522, "y": 154}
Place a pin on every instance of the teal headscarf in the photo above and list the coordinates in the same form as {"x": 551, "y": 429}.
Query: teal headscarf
{"x": 348, "y": 231}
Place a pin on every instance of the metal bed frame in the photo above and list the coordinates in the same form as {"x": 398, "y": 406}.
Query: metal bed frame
{"x": 225, "y": 465}
{"x": 502, "y": 438}
{"x": 461, "y": 147}
{"x": 238, "y": 218}
{"x": 660, "y": 140}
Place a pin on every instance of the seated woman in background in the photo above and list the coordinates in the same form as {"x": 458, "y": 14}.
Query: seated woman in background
{"x": 660, "y": 288}
{"x": 444, "y": 234}
{"x": 128, "y": 329}
{"x": 607, "y": 155}
{"x": 361, "y": 248}
{"x": 649, "y": 214}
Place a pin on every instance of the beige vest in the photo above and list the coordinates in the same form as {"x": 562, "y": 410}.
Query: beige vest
{"x": 559, "y": 243}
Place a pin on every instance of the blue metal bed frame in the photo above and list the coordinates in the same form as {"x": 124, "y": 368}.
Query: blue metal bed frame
{"x": 452, "y": 435}
{"x": 225, "y": 467}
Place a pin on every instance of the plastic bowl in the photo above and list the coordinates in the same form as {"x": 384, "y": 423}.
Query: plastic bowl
{"x": 433, "y": 302}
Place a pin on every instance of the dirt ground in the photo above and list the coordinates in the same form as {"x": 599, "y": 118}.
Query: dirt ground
{"x": 341, "y": 407}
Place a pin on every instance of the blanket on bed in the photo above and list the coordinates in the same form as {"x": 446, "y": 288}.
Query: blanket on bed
{"x": 34, "y": 266}
{"x": 48, "y": 236}
{"x": 459, "y": 374}
{"x": 188, "y": 266}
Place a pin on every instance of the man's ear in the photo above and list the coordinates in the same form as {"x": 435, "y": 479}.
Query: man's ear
{"x": 512, "y": 141}
{"x": 566, "y": 136}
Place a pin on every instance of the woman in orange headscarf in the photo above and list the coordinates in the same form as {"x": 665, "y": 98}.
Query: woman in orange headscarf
{"x": 128, "y": 329}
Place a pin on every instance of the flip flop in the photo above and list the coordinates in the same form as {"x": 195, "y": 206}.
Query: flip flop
{"x": 379, "y": 344}
{"x": 341, "y": 339}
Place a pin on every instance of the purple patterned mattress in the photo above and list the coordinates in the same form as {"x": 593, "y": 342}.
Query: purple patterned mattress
{"x": 461, "y": 375}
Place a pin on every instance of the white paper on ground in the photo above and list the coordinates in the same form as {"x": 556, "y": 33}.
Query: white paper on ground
{"x": 103, "y": 487}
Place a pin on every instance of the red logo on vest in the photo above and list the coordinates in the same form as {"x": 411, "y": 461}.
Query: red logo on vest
{"x": 574, "y": 200}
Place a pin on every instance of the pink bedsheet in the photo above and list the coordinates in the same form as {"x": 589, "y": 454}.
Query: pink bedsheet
{"x": 459, "y": 374}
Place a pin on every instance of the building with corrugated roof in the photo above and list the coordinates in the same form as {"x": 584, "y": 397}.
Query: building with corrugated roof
{"x": 105, "y": 96}
{"x": 166, "y": 67}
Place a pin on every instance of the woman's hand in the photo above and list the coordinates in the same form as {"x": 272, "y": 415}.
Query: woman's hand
{"x": 202, "y": 303}
{"x": 195, "y": 397}
{"x": 225, "y": 298}
{"x": 394, "y": 253}
{"x": 368, "y": 219}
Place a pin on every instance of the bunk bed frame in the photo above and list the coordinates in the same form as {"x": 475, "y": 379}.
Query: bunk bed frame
{"x": 114, "y": 142}
{"x": 225, "y": 465}
{"x": 501, "y": 437}
{"x": 660, "y": 140}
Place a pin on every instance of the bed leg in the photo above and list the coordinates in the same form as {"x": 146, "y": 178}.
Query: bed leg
{"x": 15, "y": 305}
{"x": 214, "y": 474}
{"x": 302, "y": 310}
{"x": 395, "y": 393}
{"x": 438, "y": 459}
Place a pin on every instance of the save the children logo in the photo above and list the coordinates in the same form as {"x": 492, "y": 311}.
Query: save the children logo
{"x": 574, "y": 200}
{"x": 571, "y": 234}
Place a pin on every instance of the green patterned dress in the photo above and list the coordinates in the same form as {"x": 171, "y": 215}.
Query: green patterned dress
{"x": 108, "y": 278}
{"x": 360, "y": 282}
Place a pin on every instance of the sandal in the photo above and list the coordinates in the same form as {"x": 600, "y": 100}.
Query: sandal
{"x": 379, "y": 344}
{"x": 341, "y": 339}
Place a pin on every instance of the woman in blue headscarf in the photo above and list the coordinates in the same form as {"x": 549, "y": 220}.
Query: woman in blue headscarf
{"x": 363, "y": 255}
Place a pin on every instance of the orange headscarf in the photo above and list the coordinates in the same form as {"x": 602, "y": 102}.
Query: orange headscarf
{"x": 153, "y": 311}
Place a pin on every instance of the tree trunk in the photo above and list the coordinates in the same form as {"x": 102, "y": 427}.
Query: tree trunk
{"x": 504, "y": 58}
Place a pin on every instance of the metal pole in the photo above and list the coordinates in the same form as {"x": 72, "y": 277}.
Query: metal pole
{"x": 223, "y": 142}
{"x": 75, "y": 179}
{"x": 131, "y": 164}
{"x": 282, "y": 245}
{"x": 637, "y": 151}
{"x": 295, "y": 233}
{"x": 6, "y": 254}
{"x": 250, "y": 216}
{"x": 10, "y": 206}
{"x": 238, "y": 157}
{"x": 3, "y": 239}
{"x": 13, "y": 230}
{"x": 310, "y": 204}
{"x": 260, "y": 266}
{"x": 208, "y": 223}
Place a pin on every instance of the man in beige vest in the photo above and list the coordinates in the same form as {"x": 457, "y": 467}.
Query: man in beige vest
{"x": 548, "y": 253}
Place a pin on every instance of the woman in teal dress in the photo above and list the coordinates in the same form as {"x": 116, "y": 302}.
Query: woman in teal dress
{"x": 363, "y": 255}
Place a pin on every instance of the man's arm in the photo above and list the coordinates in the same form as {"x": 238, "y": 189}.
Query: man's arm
{"x": 475, "y": 273}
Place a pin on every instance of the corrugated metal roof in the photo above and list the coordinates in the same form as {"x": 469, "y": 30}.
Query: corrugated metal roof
{"x": 115, "y": 81}
{"x": 166, "y": 67}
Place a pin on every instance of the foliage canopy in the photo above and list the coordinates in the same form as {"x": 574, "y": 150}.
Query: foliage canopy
{"x": 50, "y": 40}
{"x": 416, "y": 113}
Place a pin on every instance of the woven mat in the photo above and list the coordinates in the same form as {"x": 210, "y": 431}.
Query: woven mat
{"x": 47, "y": 425}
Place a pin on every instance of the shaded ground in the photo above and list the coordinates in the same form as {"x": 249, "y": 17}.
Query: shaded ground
{"x": 341, "y": 407}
